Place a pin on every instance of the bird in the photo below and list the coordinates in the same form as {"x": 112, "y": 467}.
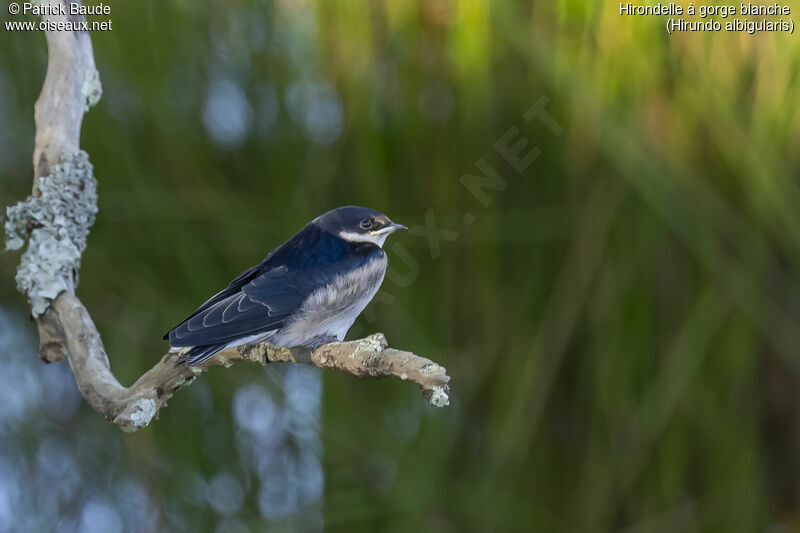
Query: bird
{"x": 307, "y": 292}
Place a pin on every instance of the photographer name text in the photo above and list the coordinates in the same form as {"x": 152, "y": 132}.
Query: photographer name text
{"x": 51, "y": 12}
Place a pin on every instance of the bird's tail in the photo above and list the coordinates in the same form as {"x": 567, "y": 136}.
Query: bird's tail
{"x": 197, "y": 354}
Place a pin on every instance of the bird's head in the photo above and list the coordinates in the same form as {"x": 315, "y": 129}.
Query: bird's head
{"x": 358, "y": 224}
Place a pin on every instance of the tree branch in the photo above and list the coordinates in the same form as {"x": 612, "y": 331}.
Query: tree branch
{"x": 56, "y": 219}
{"x": 134, "y": 407}
{"x": 56, "y": 230}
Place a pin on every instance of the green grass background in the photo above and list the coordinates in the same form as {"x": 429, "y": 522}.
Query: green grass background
{"x": 621, "y": 323}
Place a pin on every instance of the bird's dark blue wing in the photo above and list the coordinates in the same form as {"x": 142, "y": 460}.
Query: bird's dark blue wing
{"x": 233, "y": 288}
{"x": 225, "y": 321}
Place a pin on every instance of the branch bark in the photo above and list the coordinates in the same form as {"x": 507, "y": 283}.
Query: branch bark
{"x": 134, "y": 407}
{"x": 56, "y": 219}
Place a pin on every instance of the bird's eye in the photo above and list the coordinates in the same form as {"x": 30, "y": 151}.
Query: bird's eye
{"x": 366, "y": 223}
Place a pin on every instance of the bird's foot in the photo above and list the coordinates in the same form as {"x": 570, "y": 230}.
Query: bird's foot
{"x": 321, "y": 340}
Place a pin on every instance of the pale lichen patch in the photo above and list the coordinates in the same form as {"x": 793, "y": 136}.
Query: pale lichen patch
{"x": 142, "y": 412}
{"x": 265, "y": 352}
{"x": 278, "y": 353}
{"x": 91, "y": 89}
{"x": 431, "y": 368}
{"x": 439, "y": 397}
{"x": 370, "y": 344}
{"x": 56, "y": 224}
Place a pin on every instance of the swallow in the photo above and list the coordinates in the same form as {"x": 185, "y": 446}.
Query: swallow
{"x": 307, "y": 291}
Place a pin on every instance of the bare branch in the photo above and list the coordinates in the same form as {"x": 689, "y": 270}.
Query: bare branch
{"x": 71, "y": 85}
{"x": 55, "y": 221}
{"x": 133, "y": 408}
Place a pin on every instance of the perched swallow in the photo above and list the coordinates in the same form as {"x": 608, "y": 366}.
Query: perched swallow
{"x": 307, "y": 292}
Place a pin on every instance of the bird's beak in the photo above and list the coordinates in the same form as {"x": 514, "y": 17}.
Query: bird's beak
{"x": 388, "y": 229}
{"x": 396, "y": 227}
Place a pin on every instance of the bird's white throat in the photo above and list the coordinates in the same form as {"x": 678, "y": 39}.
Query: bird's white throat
{"x": 375, "y": 237}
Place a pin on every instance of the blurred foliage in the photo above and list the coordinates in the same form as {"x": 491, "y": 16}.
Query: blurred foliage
{"x": 621, "y": 322}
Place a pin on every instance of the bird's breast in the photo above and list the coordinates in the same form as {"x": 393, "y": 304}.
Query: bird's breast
{"x": 332, "y": 309}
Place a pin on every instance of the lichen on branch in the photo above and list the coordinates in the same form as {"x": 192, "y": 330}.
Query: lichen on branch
{"x": 56, "y": 224}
